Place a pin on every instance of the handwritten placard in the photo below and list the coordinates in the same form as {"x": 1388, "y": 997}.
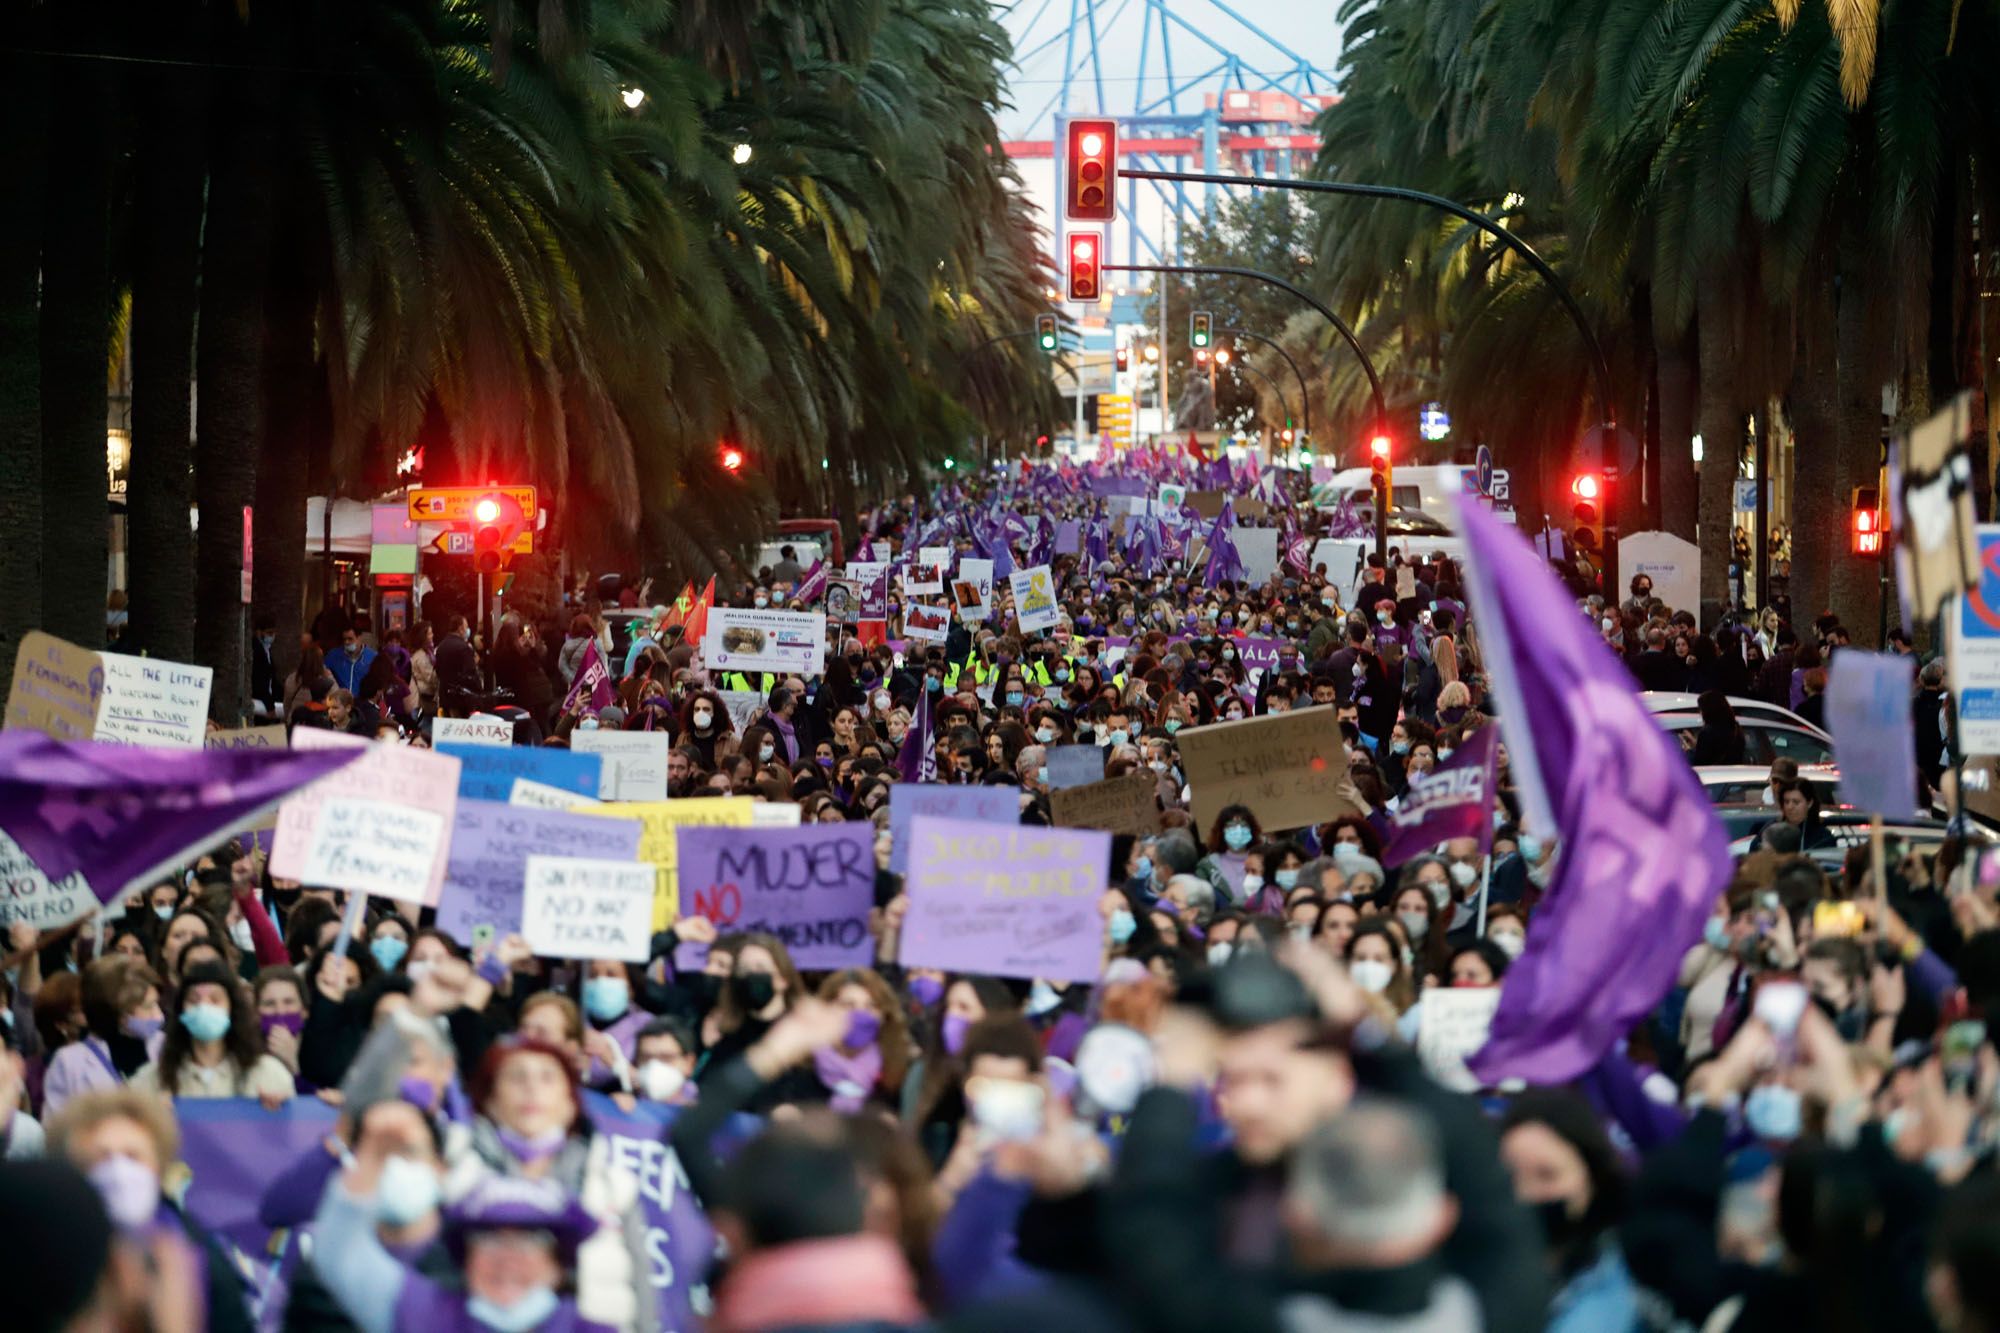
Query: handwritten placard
{"x": 488, "y": 772}
{"x": 246, "y": 738}
{"x": 635, "y": 762}
{"x": 56, "y": 689}
{"x": 1008, "y": 902}
{"x": 577, "y": 907}
{"x": 1454, "y": 1024}
{"x": 26, "y": 894}
{"x": 471, "y": 731}
{"x": 377, "y": 847}
{"x": 148, "y": 701}
{"x": 908, "y": 800}
{"x": 659, "y": 821}
{"x": 1126, "y": 804}
{"x": 490, "y": 847}
{"x": 1074, "y": 765}
{"x": 389, "y": 773}
{"x": 542, "y": 796}
{"x": 810, "y": 886}
{"x": 1290, "y": 768}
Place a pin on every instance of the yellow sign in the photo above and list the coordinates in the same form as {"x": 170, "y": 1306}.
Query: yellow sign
{"x": 658, "y": 824}
{"x": 453, "y": 504}
{"x": 57, "y": 687}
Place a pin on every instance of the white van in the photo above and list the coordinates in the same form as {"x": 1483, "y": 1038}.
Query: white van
{"x": 1412, "y": 489}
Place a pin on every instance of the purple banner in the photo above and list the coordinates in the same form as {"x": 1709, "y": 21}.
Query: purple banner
{"x": 1005, "y": 901}
{"x": 593, "y": 682}
{"x": 1641, "y": 855}
{"x": 810, "y": 886}
{"x": 875, "y": 597}
{"x": 1453, "y": 800}
{"x": 490, "y": 846}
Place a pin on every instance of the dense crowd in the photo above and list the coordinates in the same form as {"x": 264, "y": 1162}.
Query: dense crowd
{"x": 1238, "y": 1126}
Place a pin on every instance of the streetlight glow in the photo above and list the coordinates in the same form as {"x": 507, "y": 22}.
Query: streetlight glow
{"x": 1222, "y": 356}
{"x": 742, "y": 154}
{"x": 632, "y": 97}
{"x": 1152, "y": 351}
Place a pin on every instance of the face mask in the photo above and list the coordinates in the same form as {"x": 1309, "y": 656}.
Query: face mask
{"x": 1440, "y": 891}
{"x": 239, "y": 935}
{"x": 1772, "y": 1112}
{"x": 588, "y": 724}
{"x": 1715, "y": 933}
{"x": 933, "y": 684}
{"x": 1219, "y": 952}
{"x": 1386, "y": 617}
{"x": 1009, "y": 1110}
{"x": 862, "y": 1029}
{"x": 1415, "y": 924}
{"x": 142, "y": 1028}
{"x": 1042, "y": 774}
{"x": 1252, "y": 883}
{"x": 660, "y": 1081}
{"x": 1142, "y": 868}
{"x": 765, "y": 751}
{"x": 206, "y": 1022}
{"x": 407, "y": 1191}
{"x": 1120, "y": 736}
{"x": 533, "y": 1147}
{"x": 1236, "y": 837}
{"x": 1444, "y": 753}
{"x": 1014, "y": 698}
{"x": 952, "y": 1032}
{"x": 753, "y": 990}
{"x": 267, "y": 639}
{"x": 1463, "y": 874}
{"x": 1371, "y": 974}
{"x": 1509, "y": 942}
{"x": 1157, "y": 765}
{"x": 1123, "y": 924}
{"x": 354, "y": 650}
{"x": 268, "y": 1023}
{"x": 606, "y": 998}
{"x": 703, "y": 717}
{"x": 388, "y": 951}
{"x": 1287, "y": 879}
{"x": 531, "y": 1311}
{"x": 164, "y": 913}
{"x": 881, "y": 703}
{"x": 761, "y": 601}
{"x": 1609, "y": 624}
{"x": 1062, "y": 675}
{"x": 1531, "y": 848}
{"x": 926, "y": 991}
{"x": 1399, "y": 747}
{"x": 1173, "y": 725}
{"x": 1345, "y": 852}
{"x": 130, "y": 1190}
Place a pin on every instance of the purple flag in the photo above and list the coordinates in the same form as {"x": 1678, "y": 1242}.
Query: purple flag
{"x": 592, "y": 683}
{"x": 812, "y": 587}
{"x": 1224, "y": 561}
{"x": 120, "y": 815}
{"x": 1453, "y": 800}
{"x": 1642, "y": 856}
{"x": 1298, "y": 552}
{"x": 918, "y": 757}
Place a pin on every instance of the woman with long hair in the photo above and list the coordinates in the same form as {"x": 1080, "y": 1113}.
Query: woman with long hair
{"x": 213, "y": 1046}
{"x": 867, "y": 1066}
{"x": 308, "y": 681}
{"x": 762, "y": 985}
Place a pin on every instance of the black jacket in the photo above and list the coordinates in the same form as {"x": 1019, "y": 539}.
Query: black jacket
{"x": 457, "y": 666}
{"x": 1927, "y": 718}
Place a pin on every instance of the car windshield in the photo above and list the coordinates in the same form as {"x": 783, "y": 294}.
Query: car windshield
{"x": 1409, "y": 524}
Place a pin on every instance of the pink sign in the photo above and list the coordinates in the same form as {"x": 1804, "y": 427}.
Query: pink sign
{"x": 388, "y": 774}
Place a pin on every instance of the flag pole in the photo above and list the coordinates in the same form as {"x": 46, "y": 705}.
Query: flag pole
{"x": 1485, "y": 885}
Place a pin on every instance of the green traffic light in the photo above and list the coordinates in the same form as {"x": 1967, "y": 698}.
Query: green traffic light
{"x": 950, "y": 463}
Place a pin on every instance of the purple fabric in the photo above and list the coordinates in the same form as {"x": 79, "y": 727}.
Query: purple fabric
{"x": 120, "y": 814}
{"x": 1454, "y": 800}
{"x": 918, "y": 758}
{"x": 236, "y": 1151}
{"x": 1642, "y": 855}
{"x": 812, "y": 586}
{"x": 426, "y": 1305}
{"x": 592, "y": 685}
{"x": 973, "y": 1250}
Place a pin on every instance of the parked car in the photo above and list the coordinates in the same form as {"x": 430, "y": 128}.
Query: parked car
{"x": 1746, "y": 784}
{"x": 1765, "y": 739}
{"x": 1671, "y": 702}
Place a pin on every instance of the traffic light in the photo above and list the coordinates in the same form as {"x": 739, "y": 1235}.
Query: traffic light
{"x": 1381, "y": 468}
{"x": 496, "y": 521}
{"x": 1200, "y": 328}
{"x": 1091, "y": 194}
{"x": 1152, "y": 351}
{"x": 1086, "y": 252}
{"x": 1201, "y": 356}
{"x": 1122, "y": 358}
{"x": 1286, "y": 435}
{"x": 731, "y": 459}
{"x": 950, "y": 464}
{"x": 1864, "y": 522}
{"x": 1045, "y": 332}
{"x": 1586, "y": 493}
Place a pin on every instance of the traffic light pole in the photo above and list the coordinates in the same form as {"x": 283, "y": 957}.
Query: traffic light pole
{"x": 1305, "y": 395}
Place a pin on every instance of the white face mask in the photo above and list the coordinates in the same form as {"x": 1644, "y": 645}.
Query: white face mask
{"x": 1371, "y": 974}
{"x": 660, "y": 1081}
{"x": 239, "y": 934}
{"x": 1218, "y": 952}
{"x": 1464, "y": 874}
{"x": 764, "y": 753}
{"x": 703, "y": 716}
{"x": 1510, "y": 942}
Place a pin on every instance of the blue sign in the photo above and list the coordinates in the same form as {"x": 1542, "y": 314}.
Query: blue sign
{"x": 1432, "y": 423}
{"x": 1979, "y": 609}
{"x": 487, "y": 772}
{"x": 1483, "y": 460}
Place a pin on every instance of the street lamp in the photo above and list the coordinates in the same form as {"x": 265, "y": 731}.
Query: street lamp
{"x": 742, "y": 154}
{"x": 1222, "y": 356}
{"x": 632, "y": 97}
{"x": 1152, "y": 351}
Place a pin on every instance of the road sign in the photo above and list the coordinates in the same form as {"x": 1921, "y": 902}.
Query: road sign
{"x": 1974, "y": 651}
{"x": 453, "y": 504}
{"x": 460, "y": 543}
{"x": 1483, "y": 461}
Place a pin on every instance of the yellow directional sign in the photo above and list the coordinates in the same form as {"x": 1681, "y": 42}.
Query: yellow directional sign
{"x": 460, "y": 543}
{"x": 453, "y": 504}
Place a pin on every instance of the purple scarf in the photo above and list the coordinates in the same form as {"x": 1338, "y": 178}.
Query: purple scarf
{"x": 850, "y": 1078}
{"x": 784, "y": 729}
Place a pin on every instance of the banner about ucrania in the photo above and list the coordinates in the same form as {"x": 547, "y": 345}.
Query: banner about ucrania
{"x": 748, "y": 639}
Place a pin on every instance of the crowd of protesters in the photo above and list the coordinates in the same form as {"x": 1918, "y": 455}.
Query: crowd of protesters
{"x": 1232, "y": 1129}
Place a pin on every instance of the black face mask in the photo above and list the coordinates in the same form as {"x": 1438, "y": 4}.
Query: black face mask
{"x": 752, "y": 990}
{"x": 707, "y": 988}
{"x": 1561, "y": 1228}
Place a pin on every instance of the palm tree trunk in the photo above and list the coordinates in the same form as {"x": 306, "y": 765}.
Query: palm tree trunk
{"x": 1721, "y": 421}
{"x": 229, "y": 356}
{"x": 1853, "y": 592}
{"x": 297, "y": 430}
{"x": 76, "y": 344}
{"x": 1678, "y": 387}
{"x": 24, "y": 109}
{"x": 1813, "y": 404}
{"x": 171, "y": 160}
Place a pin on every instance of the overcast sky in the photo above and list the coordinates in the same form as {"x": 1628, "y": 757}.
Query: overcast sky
{"x": 1307, "y": 27}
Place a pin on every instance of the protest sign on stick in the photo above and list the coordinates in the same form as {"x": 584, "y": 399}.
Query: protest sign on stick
{"x": 489, "y": 772}
{"x": 380, "y": 847}
{"x": 578, "y": 907}
{"x": 1290, "y": 768}
{"x": 395, "y": 775}
{"x": 477, "y": 730}
{"x": 635, "y": 763}
{"x": 659, "y": 821}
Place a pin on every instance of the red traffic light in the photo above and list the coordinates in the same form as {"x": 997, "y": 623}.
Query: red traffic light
{"x": 486, "y": 509}
{"x": 496, "y": 521}
{"x": 1090, "y": 193}
{"x": 1586, "y": 486}
{"x": 1865, "y": 522}
{"x": 1086, "y": 253}
{"x": 1379, "y": 447}
{"x": 731, "y": 458}
{"x": 1123, "y": 358}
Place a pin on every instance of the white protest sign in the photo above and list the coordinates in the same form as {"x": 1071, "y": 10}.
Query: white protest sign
{"x": 378, "y": 847}
{"x": 635, "y": 762}
{"x": 929, "y": 624}
{"x": 936, "y": 555}
{"x": 1453, "y": 1026}
{"x": 389, "y": 773}
{"x": 923, "y": 578}
{"x": 1034, "y": 592}
{"x": 973, "y": 588}
{"x": 769, "y": 814}
{"x": 1868, "y": 712}
{"x": 477, "y": 730}
{"x": 1672, "y": 563}
{"x": 1258, "y": 548}
{"x": 742, "y": 706}
{"x": 148, "y": 701}
{"x": 576, "y": 907}
{"x": 748, "y": 639}
{"x": 26, "y": 894}
{"x": 541, "y": 796}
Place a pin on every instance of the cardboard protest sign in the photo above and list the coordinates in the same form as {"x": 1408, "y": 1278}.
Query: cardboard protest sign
{"x": 1406, "y": 582}
{"x": 773, "y": 814}
{"x": 579, "y": 907}
{"x": 26, "y": 894}
{"x": 929, "y": 624}
{"x": 635, "y": 763}
{"x": 490, "y": 847}
{"x": 1034, "y": 592}
{"x": 397, "y": 775}
{"x": 56, "y": 689}
{"x": 659, "y": 821}
{"x": 907, "y": 800}
{"x": 246, "y": 738}
{"x": 150, "y": 701}
{"x": 1207, "y": 503}
{"x": 471, "y": 731}
{"x": 1290, "y": 768}
{"x": 811, "y": 886}
{"x": 378, "y": 847}
{"x": 1868, "y": 712}
{"x": 749, "y": 639}
{"x": 1005, "y": 901}
{"x": 489, "y": 772}
{"x": 1454, "y": 1025}
{"x": 1075, "y": 765}
{"x": 541, "y": 796}
{"x": 1126, "y": 804}
{"x": 1931, "y": 511}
